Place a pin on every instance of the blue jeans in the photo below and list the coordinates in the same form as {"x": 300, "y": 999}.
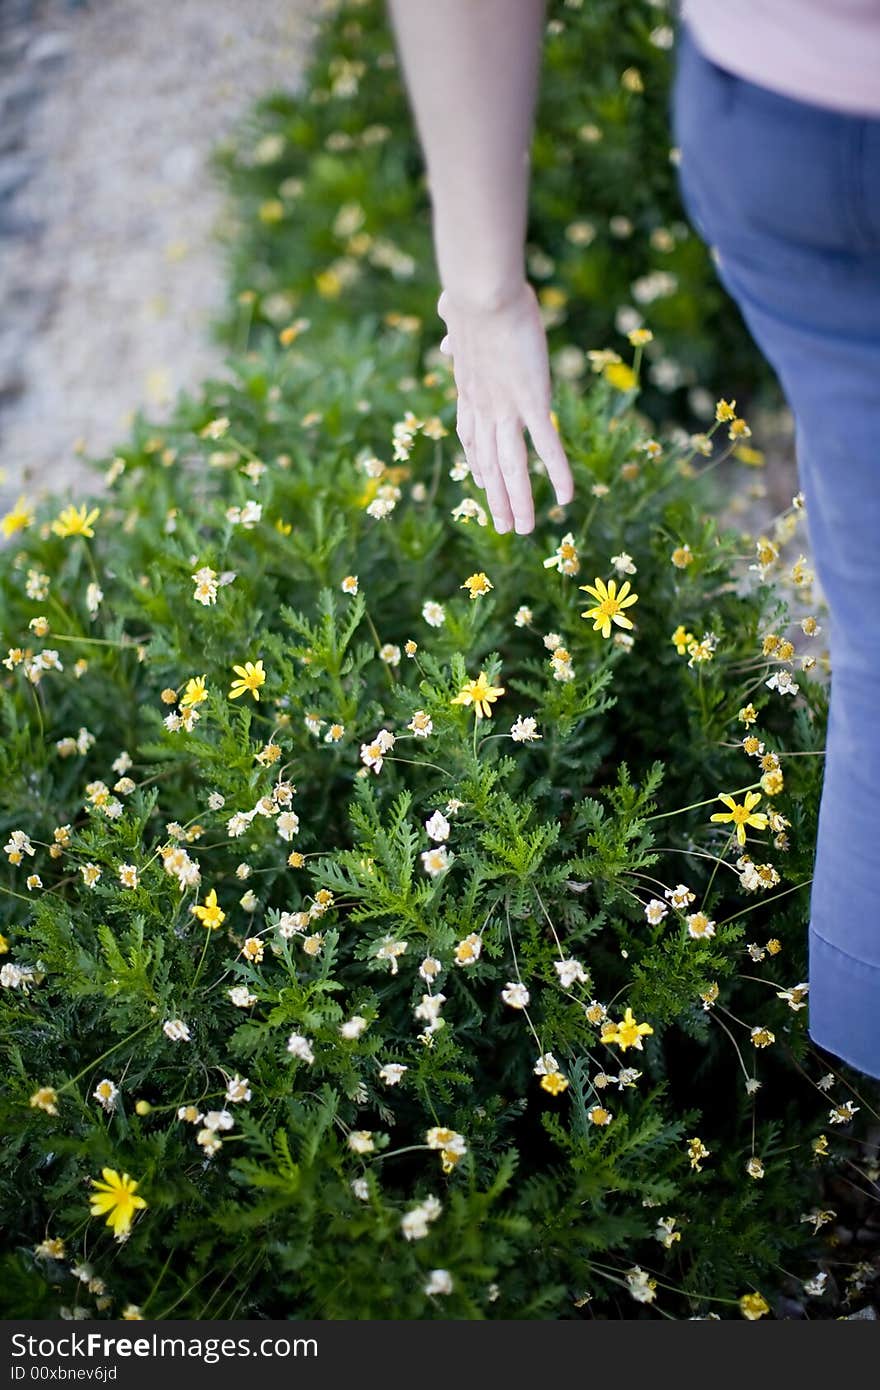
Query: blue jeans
{"x": 788, "y": 193}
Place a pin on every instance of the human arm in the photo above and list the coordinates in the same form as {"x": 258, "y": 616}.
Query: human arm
{"x": 471, "y": 69}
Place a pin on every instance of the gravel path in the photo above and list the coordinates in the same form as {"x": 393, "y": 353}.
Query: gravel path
{"x": 109, "y": 268}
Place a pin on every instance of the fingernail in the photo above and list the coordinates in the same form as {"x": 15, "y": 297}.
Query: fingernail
{"x": 523, "y": 526}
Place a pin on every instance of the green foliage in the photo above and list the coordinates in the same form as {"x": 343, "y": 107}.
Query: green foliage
{"x": 472, "y": 990}
{"x": 346, "y": 924}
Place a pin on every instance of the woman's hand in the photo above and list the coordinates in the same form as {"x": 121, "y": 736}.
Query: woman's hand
{"x": 502, "y": 372}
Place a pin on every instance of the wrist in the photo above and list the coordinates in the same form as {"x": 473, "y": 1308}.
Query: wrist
{"x": 485, "y": 296}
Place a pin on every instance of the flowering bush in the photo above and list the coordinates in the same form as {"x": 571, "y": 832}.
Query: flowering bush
{"x": 331, "y": 209}
{"x": 403, "y": 920}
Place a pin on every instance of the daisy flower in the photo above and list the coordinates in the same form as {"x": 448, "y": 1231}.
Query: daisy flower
{"x": 610, "y": 603}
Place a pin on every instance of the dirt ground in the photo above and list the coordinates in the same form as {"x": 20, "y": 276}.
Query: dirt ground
{"x": 109, "y": 269}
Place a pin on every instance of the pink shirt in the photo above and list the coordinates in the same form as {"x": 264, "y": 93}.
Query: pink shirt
{"x": 821, "y": 51}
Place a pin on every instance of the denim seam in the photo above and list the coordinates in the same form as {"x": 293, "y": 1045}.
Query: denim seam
{"x": 856, "y": 960}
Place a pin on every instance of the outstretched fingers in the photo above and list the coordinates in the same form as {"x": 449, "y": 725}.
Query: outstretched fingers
{"x": 513, "y": 462}
{"x": 548, "y": 447}
{"x": 493, "y": 479}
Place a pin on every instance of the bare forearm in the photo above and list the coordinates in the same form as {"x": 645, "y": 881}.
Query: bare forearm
{"x": 471, "y": 69}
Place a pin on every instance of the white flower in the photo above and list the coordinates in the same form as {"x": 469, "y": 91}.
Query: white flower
{"x": 360, "y": 1141}
{"x": 437, "y": 827}
{"x": 655, "y": 911}
{"x": 361, "y": 1189}
{"x": 469, "y": 509}
{"x": 300, "y": 1047}
{"x": 516, "y": 995}
{"x": 699, "y": 926}
{"x": 287, "y": 824}
{"x": 439, "y": 1282}
{"x": 430, "y": 1006}
{"x": 238, "y": 824}
{"x": 390, "y": 654}
{"x": 106, "y": 1093}
{"x": 210, "y": 1141}
{"x": 392, "y": 1072}
{"x": 241, "y": 997}
{"x": 421, "y": 724}
{"x": 796, "y": 997}
{"x": 430, "y": 968}
{"x": 216, "y": 802}
{"x": 641, "y": 1285}
{"x": 433, "y": 613}
{"x": 524, "y": 730}
{"x": 237, "y": 1090}
{"x": 353, "y": 1027}
{"x": 435, "y": 861}
{"x": 176, "y": 1030}
{"x": 680, "y": 896}
{"x": 623, "y": 563}
{"x": 218, "y": 1119}
{"x": 570, "y": 972}
{"x": 380, "y": 507}
{"x": 414, "y": 1224}
{"x": 390, "y": 950}
{"x": 546, "y": 1065}
{"x": 782, "y": 682}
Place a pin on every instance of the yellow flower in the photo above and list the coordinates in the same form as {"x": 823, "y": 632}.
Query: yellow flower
{"x": 4, "y": 945}
{"x": 725, "y": 410}
{"x": 477, "y": 584}
{"x": 554, "y": 1082}
{"x": 640, "y": 336}
{"x": 697, "y": 1150}
{"x": 45, "y": 1099}
{"x": 682, "y": 639}
{"x": 18, "y": 519}
{"x": 271, "y": 211}
{"x": 480, "y": 694}
{"x": 116, "y": 1196}
{"x": 626, "y": 1033}
{"x": 195, "y": 692}
{"x": 598, "y": 1115}
{"x": 753, "y": 457}
{"x": 773, "y": 782}
{"x": 252, "y": 677}
{"x": 620, "y": 376}
{"x": 76, "y": 521}
{"x": 753, "y": 1306}
{"x": 609, "y": 604}
{"x": 210, "y": 914}
{"x": 328, "y": 284}
{"x": 741, "y": 815}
